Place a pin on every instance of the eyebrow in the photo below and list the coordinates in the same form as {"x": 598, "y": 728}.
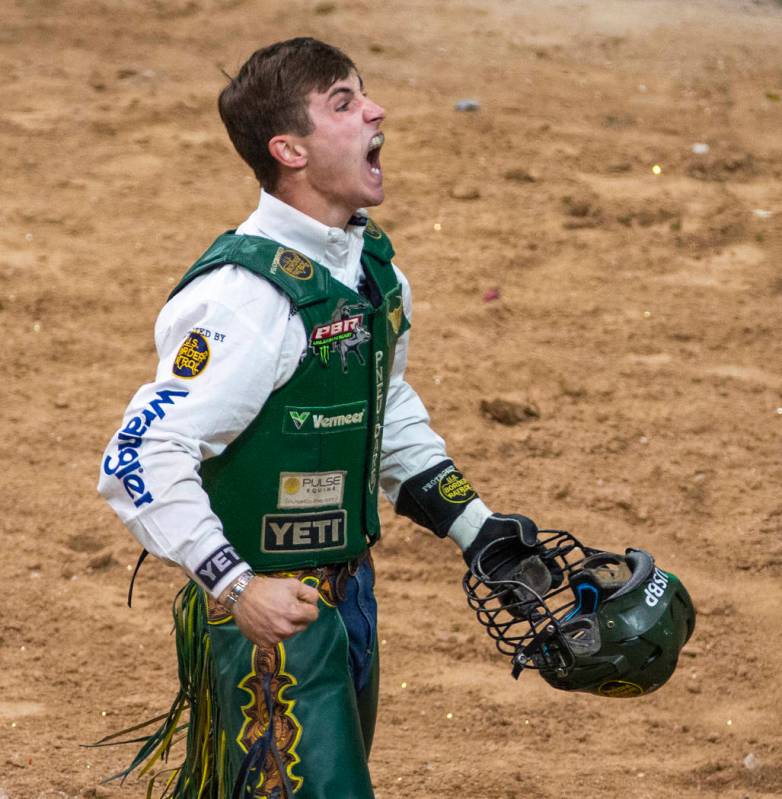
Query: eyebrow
{"x": 345, "y": 89}
{"x": 339, "y": 90}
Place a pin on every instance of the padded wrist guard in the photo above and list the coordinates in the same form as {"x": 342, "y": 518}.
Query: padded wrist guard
{"x": 435, "y": 498}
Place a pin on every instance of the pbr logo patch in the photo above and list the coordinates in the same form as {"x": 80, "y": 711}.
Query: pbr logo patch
{"x": 344, "y": 334}
{"x": 293, "y": 263}
{"x": 193, "y": 356}
{"x": 302, "y": 532}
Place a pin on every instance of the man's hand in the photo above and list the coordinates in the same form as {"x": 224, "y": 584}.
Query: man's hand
{"x": 517, "y": 538}
{"x": 272, "y": 609}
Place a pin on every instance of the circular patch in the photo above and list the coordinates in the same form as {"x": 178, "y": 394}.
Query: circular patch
{"x": 291, "y": 485}
{"x": 373, "y": 231}
{"x": 619, "y": 689}
{"x": 193, "y": 356}
{"x": 456, "y": 488}
{"x": 295, "y": 264}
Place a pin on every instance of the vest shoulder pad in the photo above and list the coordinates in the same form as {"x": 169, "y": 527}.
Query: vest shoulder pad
{"x": 301, "y": 279}
{"x": 376, "y": 243}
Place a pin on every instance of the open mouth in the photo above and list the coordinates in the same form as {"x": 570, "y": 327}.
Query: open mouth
{"x": 373, "y": 153}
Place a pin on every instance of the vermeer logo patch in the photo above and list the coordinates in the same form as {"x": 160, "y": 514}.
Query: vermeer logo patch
{"x": 329, "y": 419}
{"x": 301, "y": 532}
{"x": 193, "y": 356}
{"x": 293, "y": 264}
{"x": 310, "y": 489}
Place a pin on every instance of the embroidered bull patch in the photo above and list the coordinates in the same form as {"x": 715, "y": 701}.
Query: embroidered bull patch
{"x": 344, "y": 334}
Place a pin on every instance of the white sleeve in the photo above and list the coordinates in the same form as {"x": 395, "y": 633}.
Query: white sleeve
{"x": 150, "y": 469}
{"x": 409, "y": 444}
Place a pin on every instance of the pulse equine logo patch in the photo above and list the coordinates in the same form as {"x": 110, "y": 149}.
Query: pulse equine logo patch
{"x": 311, "y": 489}
{"x": 344, "y": 334}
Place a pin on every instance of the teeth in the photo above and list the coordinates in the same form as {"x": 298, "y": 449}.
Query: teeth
{"x": 374, "y": 170}
{"x": 376, "y": 141}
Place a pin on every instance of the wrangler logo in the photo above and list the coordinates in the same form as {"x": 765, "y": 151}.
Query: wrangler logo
{"x": 284, "y": 532}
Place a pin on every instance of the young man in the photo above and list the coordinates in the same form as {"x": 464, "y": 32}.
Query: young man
{"x": 254, "y": 459}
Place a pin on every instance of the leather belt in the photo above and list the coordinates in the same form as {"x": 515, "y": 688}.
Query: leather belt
{"x": 336, "y": 575}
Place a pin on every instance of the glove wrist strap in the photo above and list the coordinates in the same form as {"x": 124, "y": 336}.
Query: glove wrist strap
{"x": 436, "y": 497}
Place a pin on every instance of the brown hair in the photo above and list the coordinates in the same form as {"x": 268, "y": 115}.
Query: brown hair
{"x": 269, "y": 97}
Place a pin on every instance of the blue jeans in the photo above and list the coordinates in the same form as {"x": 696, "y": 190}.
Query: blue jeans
{"x": 359, "y": 615}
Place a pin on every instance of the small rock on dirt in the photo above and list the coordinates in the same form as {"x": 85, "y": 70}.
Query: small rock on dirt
{"x": 465, "y": 191}
{"x": 520, "y": 175}
{"x": 508, "y": 412}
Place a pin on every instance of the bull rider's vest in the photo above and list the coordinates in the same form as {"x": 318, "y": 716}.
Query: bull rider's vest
{"x": 299, "y": 487}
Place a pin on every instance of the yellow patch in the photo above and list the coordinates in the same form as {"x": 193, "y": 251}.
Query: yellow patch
{"x": 373, "y": 231}
{"x": 293, "y": 263}
{"x": 395, "y": 318}
{"x": 292, "y": 485}
{"x": 193, "y": 356}
{"x": 620, "y": 689}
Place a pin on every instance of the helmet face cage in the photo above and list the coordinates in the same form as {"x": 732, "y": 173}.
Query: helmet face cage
{"x": 587, "y": 620}
{"x": 523, "y": 609}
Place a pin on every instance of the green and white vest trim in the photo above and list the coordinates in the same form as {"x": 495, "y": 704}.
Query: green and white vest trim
{"x": 299, "y": 487}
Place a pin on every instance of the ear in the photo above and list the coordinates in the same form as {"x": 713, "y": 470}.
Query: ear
{"x": 288, "y": 152}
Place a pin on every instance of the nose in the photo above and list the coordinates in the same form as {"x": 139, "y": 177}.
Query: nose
{"x": 373, "y": 112}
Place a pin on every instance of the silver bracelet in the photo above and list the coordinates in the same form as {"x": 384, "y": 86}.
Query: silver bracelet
{"x": 237, "y": 589}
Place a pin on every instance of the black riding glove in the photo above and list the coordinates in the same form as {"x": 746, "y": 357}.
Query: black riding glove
{"x": 519, "y": 537}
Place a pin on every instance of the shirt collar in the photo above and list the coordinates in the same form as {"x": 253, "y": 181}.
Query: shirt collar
{"x": 276, "y": 220}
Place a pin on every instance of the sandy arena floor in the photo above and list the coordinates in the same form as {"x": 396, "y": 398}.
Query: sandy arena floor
{"x": 638, "y": 311}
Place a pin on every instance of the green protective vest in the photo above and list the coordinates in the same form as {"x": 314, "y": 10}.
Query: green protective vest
{"x": 299, "y": 487}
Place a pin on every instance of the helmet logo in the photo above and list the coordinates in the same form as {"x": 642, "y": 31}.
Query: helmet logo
{"x": 620, "y": 689}
{"x": 655, "y": 588}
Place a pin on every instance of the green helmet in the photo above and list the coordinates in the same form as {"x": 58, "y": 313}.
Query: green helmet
{"x": 592, "y": 621}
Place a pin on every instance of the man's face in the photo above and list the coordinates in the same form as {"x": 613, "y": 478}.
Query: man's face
{"x": 343, "y": 150}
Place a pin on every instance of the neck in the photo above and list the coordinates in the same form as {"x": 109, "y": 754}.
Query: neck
{"x": 313, "y": 205}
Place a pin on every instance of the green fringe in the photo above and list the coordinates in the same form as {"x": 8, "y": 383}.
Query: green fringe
{"x": 202, "y": 774}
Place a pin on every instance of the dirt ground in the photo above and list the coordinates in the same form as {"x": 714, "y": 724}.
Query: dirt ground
{"x": 570, "y": 244}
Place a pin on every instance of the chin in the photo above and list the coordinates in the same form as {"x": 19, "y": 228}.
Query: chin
{"x": 373, "y": 200}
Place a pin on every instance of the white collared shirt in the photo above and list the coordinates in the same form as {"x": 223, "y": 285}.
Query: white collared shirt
{"x": 152, "y": 481}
